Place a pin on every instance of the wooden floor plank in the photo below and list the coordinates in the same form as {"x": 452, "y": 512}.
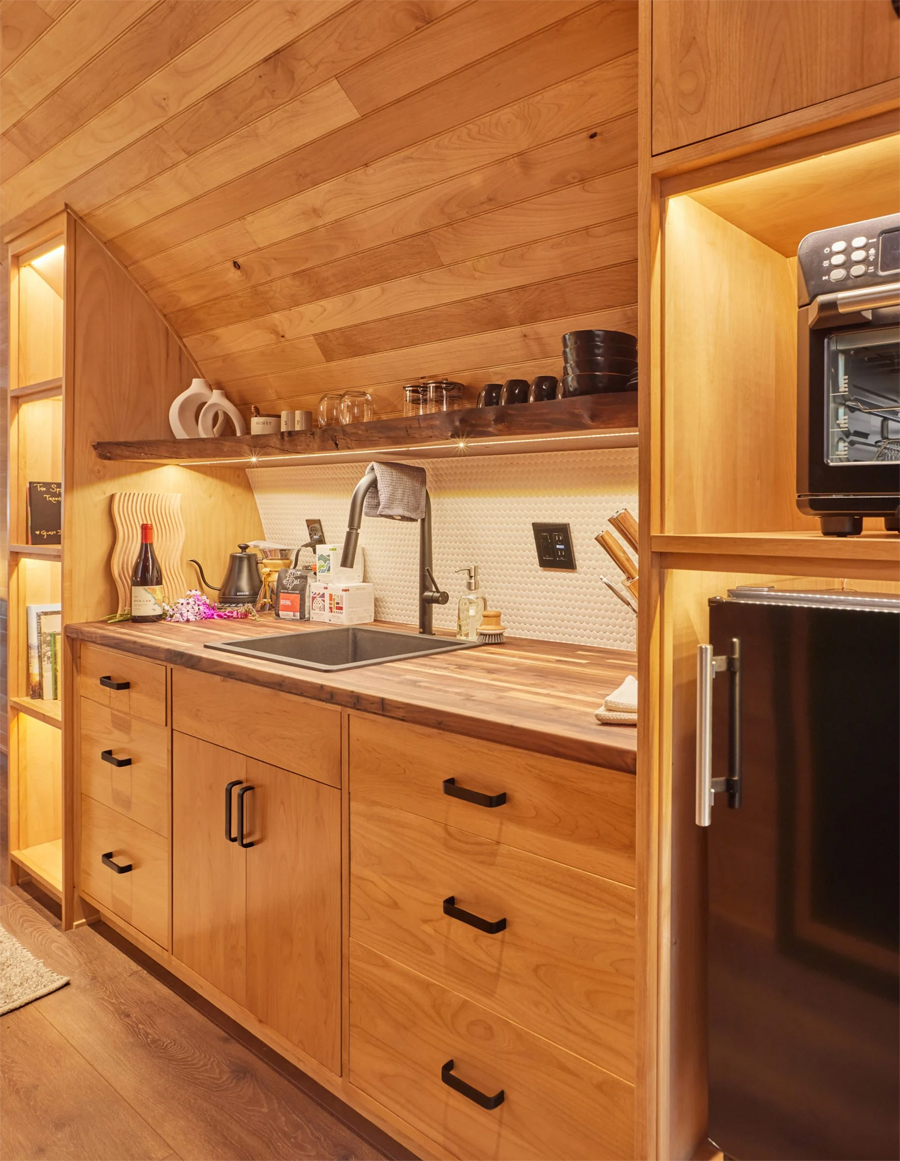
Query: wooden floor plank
{"x": 55, "y": 1105}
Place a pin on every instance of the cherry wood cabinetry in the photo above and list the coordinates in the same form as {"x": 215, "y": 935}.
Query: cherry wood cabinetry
{"x": 720, "y": 65}
{"x": 256, "y": 891}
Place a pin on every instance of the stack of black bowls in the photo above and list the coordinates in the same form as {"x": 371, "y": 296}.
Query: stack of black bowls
{"x": 599, "y": 361}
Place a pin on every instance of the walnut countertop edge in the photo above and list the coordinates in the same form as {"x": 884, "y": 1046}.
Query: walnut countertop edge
{"x": 538, "y": 695}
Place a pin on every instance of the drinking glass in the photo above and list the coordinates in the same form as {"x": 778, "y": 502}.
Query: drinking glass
{"x": 330, "y": 410}
{"x": 356, "y": 407}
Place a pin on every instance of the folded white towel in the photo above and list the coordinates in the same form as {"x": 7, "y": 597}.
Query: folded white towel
{"x": 620, "y": 708}
{"x": 625, "y": 698}
{"x": 398, "y": 492}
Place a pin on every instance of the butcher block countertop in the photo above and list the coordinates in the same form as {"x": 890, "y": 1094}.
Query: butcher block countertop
{"x": 539, "y": 695}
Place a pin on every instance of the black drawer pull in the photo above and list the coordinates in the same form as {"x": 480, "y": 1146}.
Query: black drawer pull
{"x": 244, "y": 790}
{"x": 480, "y": 1098}
{"x": 108, "y": 683}
{"x": 107, "y": 861}
{"x": 232, "y": 838}
{"x": 485, "y": 925}
{"x": 475, "y": 796}
{"x": 107, "y": 756}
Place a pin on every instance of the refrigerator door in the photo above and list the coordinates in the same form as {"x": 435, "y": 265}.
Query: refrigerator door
{"x": 804, "y": 886}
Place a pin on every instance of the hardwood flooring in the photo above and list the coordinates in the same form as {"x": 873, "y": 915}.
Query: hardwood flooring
{"x": 126, "y": 1064}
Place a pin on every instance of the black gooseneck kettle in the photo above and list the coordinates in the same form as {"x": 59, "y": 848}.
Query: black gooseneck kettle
{"x": 243, "y": 579}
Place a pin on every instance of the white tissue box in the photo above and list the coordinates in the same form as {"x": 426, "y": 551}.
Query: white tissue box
{"x": 328, "y": 564}
{"x": 351, "y": 604}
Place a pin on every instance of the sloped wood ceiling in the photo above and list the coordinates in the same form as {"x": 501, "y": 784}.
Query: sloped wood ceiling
{"x": 324, "y": 194}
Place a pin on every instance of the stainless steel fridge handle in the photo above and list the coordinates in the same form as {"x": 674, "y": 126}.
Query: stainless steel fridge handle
{"x": 706, "y": 671}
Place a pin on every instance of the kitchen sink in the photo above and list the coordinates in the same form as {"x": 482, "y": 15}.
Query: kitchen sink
{"x": 345, "y": 647}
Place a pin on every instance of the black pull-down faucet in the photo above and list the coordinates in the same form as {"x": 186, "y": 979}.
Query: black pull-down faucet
{"x": 429, "y": 593}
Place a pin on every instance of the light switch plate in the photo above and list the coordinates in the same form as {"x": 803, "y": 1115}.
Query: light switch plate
{"x": 554, "y": 546}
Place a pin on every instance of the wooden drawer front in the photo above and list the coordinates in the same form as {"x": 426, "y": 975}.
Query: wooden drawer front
{"x": 139, "y": 790}
{"x": 291, "y": 732}
{"x": 404, "y": 1028}
{"x": 145, "y": 694}
{"x": 579, "y": 815}
{"x": 141, "y": 895}
{"x": 564, "y": 964}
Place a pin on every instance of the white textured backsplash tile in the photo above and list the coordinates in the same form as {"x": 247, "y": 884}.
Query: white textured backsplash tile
{"x": 482, "y": 510}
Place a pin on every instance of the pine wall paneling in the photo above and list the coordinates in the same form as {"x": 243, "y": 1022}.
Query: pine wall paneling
{"x": 323, "y": 194}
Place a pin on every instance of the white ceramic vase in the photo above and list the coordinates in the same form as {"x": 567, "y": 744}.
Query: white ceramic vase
{"x": 219, "y": 407}
{"x": 184, "y": 409}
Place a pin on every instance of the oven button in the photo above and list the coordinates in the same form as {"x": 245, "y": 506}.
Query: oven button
{"x": 861, "y": 241}
{"x": 837, "y": 275}
{"x": 856, "y": 271}
{"x": 838, "y": 246}
{"x": 838, "y": 259}
{"x": 858, "y": 255}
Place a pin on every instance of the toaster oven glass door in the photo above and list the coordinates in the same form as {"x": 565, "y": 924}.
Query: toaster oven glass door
{"x": 862, "y": 370}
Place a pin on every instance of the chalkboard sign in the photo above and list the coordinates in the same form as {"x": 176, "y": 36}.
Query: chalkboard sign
{"x": 44, "y": 513}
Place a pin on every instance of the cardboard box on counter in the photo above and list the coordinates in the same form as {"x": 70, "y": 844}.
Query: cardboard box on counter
{"x": 342, "y": 604}
{"x": 328, "y": 565}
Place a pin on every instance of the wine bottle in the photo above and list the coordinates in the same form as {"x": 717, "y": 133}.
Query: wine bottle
{"x": 146, "y": 582}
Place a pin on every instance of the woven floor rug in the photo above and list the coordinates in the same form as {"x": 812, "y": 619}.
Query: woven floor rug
{"x": 22, "y": 977}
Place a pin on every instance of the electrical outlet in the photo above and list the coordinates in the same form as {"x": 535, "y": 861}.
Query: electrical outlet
{"x": 554, "y": 546}
{"x": 315, "y": 532}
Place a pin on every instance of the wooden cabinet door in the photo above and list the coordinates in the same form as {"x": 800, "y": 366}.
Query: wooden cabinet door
{"x": 719, "y": 65}
{"x": 294, "y": 909}
{"x": 209, "y": 897}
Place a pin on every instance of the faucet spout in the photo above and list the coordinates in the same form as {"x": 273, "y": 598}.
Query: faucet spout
{"x": 354, "y": 520}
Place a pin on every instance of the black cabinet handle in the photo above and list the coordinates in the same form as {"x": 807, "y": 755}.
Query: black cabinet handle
{"x": 244, "y": 790}
{"x": 485, "y": 925}
{"x": 107, "y": 861}
{"x": 232, "y": 838}
{"x": 107, "y": 756}
{"x": 479, "y": 799}
{"x": 108, "y": 683}
{"x": 460, "y": 1086}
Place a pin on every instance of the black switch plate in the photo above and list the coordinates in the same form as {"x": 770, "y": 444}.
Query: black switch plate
{"x": 554, "y": 546}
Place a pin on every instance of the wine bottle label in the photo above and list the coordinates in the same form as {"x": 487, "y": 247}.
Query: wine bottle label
{"x": 147, "y": 601}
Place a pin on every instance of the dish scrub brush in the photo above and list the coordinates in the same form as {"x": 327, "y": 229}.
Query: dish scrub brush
{"x": 490, "y": 631}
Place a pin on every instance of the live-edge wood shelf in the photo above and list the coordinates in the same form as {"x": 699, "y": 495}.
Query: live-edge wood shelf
{"x": 560, "y": 424}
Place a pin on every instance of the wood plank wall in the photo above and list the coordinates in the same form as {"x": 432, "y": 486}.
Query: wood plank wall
{"x": 324, "y": 194}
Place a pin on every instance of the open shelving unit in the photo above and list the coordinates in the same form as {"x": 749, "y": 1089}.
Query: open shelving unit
{"x": 36, "y": 400}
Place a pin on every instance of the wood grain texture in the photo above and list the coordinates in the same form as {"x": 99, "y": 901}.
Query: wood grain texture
{"x": 145, "y": 694}
{"x": 722, "y": 64}
{"x": 276, "y": 170}
{"x": 163, "y": 510}
{"x": 564, "y": 965}
{"x": 493, "y": 693}
{"x": 404, "y": 1028}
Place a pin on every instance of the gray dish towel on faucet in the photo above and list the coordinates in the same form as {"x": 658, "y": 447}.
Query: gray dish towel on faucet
{"x": 398, "y": 492}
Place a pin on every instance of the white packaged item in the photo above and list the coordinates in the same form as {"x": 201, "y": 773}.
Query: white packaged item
{"x": 350, "y": 604}
{"x": 318, "y": 601}
{"x": 328, "y": 565}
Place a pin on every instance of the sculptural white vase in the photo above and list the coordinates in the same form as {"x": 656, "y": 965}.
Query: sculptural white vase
{"x": 185, "y": 408}
{"x": 218, "y": 408}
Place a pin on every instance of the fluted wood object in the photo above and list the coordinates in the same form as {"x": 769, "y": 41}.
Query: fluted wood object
{"x": 163, "y": 510}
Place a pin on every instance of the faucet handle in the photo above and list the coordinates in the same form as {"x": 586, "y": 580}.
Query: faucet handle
{"x": 436, "y": 596}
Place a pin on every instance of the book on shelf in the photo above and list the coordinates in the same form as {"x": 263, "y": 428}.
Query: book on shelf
{"x": 44, "y": 626}
{"x": 44, "y": 513}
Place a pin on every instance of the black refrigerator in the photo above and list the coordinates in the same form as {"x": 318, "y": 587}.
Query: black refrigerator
{"x": 798, "y": 783}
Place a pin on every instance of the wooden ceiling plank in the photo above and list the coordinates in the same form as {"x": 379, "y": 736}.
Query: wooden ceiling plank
{"x": 500, "y": 80}
{"x": 306, "y": 118}
{"x": 561, "y": 162}
{"x": 147, "y": 46}
{"x": 250, "y": 35}
{"x": 491, "y": 348}
{"x": 571, "y": 208}
{"x": 12, "y": 159}
{"x": 370, "y": 266}
{"x": 21, "y": 23}
{"x": 238, "y": 345}
{"x": 597, "y": 289}
{"x": 80, "y": 34}
{"x": 469, "y": 35}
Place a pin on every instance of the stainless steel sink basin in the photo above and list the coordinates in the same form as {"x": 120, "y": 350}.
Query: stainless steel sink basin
{"x": 343, "y": 647}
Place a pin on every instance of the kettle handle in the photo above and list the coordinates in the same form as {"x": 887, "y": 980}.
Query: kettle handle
{"x": 215, "y": 588}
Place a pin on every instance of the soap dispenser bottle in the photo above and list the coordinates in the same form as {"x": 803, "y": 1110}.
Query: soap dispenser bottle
{"x": 471, "y": 606}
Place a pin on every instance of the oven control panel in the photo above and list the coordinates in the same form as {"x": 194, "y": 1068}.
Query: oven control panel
{"x": 861, "y": 254}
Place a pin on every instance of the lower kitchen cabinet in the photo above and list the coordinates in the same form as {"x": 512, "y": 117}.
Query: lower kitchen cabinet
{"x": 256, "y": 899}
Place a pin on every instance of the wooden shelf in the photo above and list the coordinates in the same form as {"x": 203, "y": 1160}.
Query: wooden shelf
{"x": 871, "y": 556}
{"x": 44, "y": 864}
{"x": 557, "y": 425}
{"x": 37, "y": 551}
{"x": 49, "y": 389}
{"x": 49, "y": 712}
